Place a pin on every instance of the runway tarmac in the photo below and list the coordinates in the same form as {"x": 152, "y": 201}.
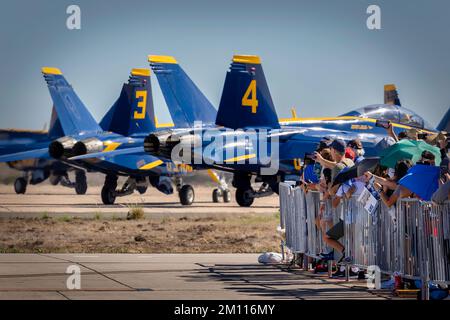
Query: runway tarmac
{"x": 59, "y": 201}
{"x": 153, "y": 276}
{"x": 166, "y": 276}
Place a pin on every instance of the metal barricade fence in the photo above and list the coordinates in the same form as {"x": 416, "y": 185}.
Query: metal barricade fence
{"x": 299, "y": 216}
{"x": 293, "y": 217}
{"x": 320, "y": 222}
{"x": 411, "y": 238}
{"x": 435, "y": 241}
{"x": 387, "y": 252}
{"x": 314, "y": 240}
{"x": 285, "y": 200}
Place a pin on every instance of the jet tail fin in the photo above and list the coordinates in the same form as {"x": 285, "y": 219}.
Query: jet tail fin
{"x": 72, "y": 114}
{"x": 133, "y": 112}
{"x": 444, "y": 124}
{"x": 391, "y": 95}
{"x": 184, "y": 99}
{"x": 55, "y": 131}
{"x": 246, "y": 100}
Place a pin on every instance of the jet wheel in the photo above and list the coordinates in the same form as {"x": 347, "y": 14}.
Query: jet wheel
{"x": 20, "y": 185}
{"x": 216, "y": 195}
{"x": 187, "y": 195}
{"x": 141, "y": 190}
{"x": 226, "y": 196}
{"x": 54, "y": 180}
{"x": 80, "y": 183}
{"x": 244, "y": 197}
{"x": 108, "y": 195}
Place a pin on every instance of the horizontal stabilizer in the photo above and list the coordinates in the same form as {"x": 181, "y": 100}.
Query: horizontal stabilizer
{"x": 140, "y": 161}
{"x": 108, "y": 153}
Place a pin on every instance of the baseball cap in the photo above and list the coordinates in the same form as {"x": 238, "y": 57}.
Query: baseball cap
{"x": 338, "y": 145}
{"x": 324, "y": 143}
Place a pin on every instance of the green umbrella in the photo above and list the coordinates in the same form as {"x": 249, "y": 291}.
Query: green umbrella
{"x": 407, "y": 149}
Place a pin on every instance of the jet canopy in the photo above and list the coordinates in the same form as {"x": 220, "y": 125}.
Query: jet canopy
{"x": 393, "y": 113}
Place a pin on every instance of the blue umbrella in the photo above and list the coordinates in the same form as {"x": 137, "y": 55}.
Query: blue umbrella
{"x": 422, "y": 180}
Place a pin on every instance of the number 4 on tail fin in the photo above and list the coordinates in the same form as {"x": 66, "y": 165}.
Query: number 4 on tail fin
{"x": 253, "y": 101}
{"x": 246, "y": 101}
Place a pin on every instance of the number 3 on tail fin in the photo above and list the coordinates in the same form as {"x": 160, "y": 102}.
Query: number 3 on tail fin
{"x": 250, "y": 102}
{"x": 141, "y": 104}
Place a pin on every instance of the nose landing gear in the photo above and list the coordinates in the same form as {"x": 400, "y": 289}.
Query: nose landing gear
{"x": 219, "y": 193}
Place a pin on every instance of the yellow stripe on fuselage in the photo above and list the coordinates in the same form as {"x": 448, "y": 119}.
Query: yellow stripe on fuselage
{"x": 111, "y": 146}
{"x": 398, "y": 125}
{"x": 240, "y": 158}
{"x": 151, "y": 165}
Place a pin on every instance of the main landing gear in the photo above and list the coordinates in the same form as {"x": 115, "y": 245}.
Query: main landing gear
{"x": 55, "y": 178}
{"x": 110, "y": 191}
{"x": 20, "y": 185}
{"x": 80, "y": 184}
{"x": 245, "y": 194}
{"x": 185, "y": 192}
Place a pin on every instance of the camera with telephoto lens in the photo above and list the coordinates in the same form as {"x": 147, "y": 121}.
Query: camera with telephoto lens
{"x": 421, "y": 136}
{"x": 382, "y": 123}
{"x": 310, "y": 158}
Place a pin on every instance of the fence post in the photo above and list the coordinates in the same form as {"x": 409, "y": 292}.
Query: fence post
{"x": 425, "y": 290}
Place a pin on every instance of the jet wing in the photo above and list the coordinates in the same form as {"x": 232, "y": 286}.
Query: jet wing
{"x": 31, "y": 154}
{"x": 109, "y": 153}
{"x": 129, "y": 159}
{"x": 138, "y": 161}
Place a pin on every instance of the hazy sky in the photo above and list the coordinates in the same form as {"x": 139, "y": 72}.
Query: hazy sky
{"x": 318, "y": 55}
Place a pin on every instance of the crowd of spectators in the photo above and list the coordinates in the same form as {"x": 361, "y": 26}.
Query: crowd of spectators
{"x": 334, "y": 156}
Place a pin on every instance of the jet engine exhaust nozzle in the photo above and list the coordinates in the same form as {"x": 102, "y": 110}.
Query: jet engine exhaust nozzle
{"x": 61, "y": 147}
{"x": 91, "y": 145}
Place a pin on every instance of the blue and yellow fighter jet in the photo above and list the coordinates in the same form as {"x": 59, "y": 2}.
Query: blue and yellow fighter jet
{"x": 246, "y": 104}
{"x": 127, "y": 123}
{"x": 364, "y": 119}
{"x": 186, "y": 104}
{"x": 129, "y": 120}
{"x": 37, "y": 170}
{"x": 24, "y": 150}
